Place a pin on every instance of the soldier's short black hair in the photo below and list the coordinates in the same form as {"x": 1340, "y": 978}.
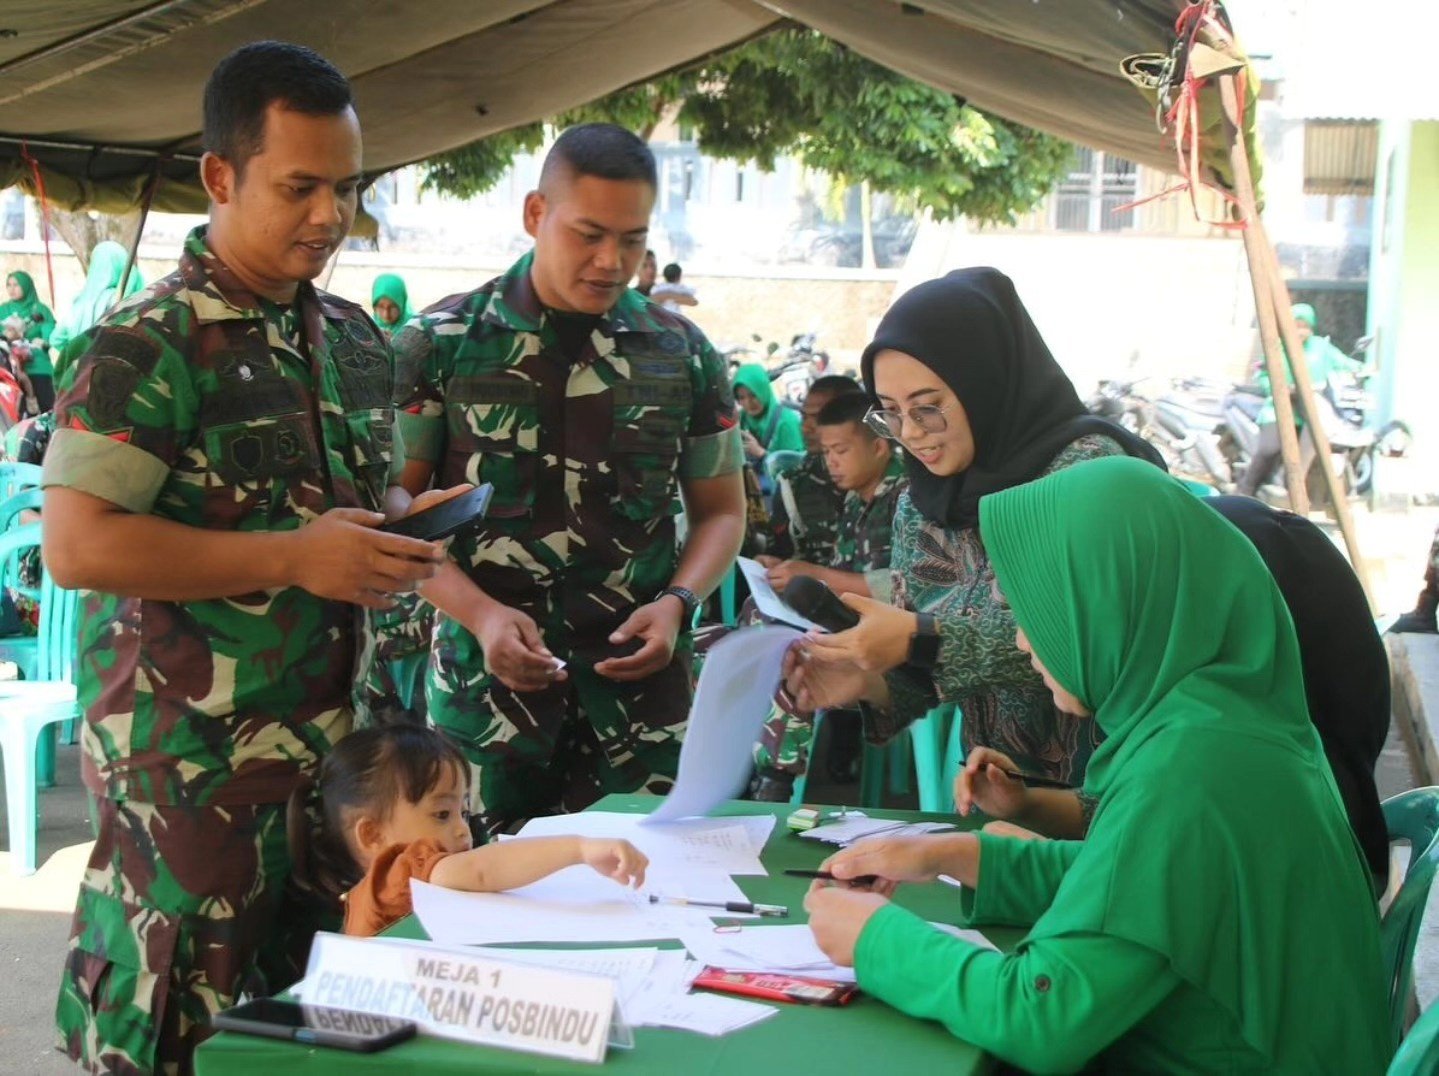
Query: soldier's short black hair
{"x": 845, "y": 408}
{"x": 833, "y": 385}
{"x": 672, "y": 273}
{"x": 255, "y": 76}
{"x": 602, "y": 150}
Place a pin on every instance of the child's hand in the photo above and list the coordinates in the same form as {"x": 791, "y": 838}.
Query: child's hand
{"x": 615, "y": 859}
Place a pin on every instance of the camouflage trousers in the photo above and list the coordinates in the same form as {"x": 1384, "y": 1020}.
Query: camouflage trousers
{"x": 393, "y": 683}
{"x": 561, "y": 749}
{"x": 181, "y": 910}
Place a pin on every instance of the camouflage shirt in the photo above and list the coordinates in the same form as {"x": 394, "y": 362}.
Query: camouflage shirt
{"x": 585, "y": 456}
{"x": 863, "y": 541}
{"x": 199, "y": 403}
{"x": 807, "y": 508}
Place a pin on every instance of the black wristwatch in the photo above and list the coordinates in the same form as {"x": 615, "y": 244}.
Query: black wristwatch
{"x": 924, "y": 643}
{"x": 686, "y": 596}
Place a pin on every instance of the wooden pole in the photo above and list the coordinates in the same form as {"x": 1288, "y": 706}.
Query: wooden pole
{"x": 1259, "y": 279}
{"x": 1338, "y": 494}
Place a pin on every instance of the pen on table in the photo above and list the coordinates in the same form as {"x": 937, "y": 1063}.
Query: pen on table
{"x": 859, "y": 880}
{"x": 777, "y": 911}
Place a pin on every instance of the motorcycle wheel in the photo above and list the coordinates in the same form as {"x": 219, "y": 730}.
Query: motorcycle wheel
{"x": 1359, "y": 470}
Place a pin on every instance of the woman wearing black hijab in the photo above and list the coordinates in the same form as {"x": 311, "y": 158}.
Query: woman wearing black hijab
{"x": 962, "y": 379}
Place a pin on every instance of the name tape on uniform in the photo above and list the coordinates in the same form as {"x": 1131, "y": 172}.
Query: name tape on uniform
{"x": 460, "y": 995}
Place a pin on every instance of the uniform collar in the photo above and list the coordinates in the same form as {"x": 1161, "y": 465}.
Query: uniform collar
{"x": 217, "y": 292}
{"x": 515, "y": 305}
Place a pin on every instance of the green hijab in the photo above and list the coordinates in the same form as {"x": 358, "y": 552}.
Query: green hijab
{"x": 785, "y": 434}
{"x": 100, "y": 293}
{"x": 27, "y": 306}
{"x": 392, "y": 287}
{"x": 1220, "y": 840}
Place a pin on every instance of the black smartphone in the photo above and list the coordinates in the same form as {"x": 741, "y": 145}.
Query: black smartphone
{"x": 590, "y": 656}
{"x": 316, "y": 1025}
{"x": 447, "y": 519}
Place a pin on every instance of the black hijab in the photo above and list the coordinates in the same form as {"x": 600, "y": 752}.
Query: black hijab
{"x": 971, "y": 329}
{"x": 1346, "y": 668}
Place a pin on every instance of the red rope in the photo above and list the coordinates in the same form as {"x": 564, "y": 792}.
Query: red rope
{"x": 44, "y": 214}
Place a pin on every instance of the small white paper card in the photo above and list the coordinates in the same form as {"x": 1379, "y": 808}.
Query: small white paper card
{"x": 463, "y": 995}
{"x": 767, "y": 601}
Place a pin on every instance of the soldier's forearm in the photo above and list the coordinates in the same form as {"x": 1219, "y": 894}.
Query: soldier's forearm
{"x": 456, "y": 595}
{"x": 710, "y": 549}
{"x": 91, "y": 546}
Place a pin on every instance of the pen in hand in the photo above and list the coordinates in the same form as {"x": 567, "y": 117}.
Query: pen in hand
{"x": 859, "y": 880}
{"x": 1034, "y": 780}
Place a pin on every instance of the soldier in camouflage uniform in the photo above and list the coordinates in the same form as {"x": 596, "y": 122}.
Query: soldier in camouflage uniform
{"x": 222, "y": 456}
{"x": 590, "y": 410}
{"x": 863, "y": 465}
{"x": 807, "y": 502}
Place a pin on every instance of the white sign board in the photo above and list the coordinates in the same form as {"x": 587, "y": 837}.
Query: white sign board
{"x": 462, "y": 995}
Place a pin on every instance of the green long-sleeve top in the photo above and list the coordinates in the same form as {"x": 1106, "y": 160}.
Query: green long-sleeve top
{"x": 1324, "y": 361}
{"x": 1056, "y": 1004}
{"x": 1005, "y": 704}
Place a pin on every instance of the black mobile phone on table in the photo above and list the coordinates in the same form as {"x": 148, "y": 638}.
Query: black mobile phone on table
{"x": 315, "y": 1025}
{"x": 447, "y": 519}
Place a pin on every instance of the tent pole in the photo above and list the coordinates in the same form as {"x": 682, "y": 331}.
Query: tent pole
{"x": 1263, "y": 303}
{"x": 149, "y": 200}
{"x": 1338, "y": 495}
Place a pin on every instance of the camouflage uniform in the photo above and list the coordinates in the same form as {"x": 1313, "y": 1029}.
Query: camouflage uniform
{"x": 586, "y": 460}
{"x": 806, "y": 511}
{"x": 402, "y": 640}
{"x": 199, "y": 403}
{"x": 862, "y": 544}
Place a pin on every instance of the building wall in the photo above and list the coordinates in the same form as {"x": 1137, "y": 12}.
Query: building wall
{"x": 1404, "y": 279}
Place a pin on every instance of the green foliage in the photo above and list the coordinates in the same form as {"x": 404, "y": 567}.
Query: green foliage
{"x": 797, "y": 93}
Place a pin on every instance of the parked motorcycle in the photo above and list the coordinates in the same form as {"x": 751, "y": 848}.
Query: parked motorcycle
{"x": 1185, "y": 430}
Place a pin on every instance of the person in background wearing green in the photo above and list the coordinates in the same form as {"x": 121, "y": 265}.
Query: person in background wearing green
{"x": 390, "y": 300}
{"x": 100, "y": 293}
{"x": 1180, "y": 935}
{"x": 766, "y": 425}
{"x": 39, "y": 323}
{"x": 1324, "y": 361}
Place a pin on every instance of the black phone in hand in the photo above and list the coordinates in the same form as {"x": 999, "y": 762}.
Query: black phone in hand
{"x": 446, "y": 519}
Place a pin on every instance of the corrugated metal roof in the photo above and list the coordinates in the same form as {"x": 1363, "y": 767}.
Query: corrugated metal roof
{"x": 1340, "y": 156}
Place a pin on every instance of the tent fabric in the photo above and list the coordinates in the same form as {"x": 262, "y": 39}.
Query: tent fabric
{"x": 100, "y": 87}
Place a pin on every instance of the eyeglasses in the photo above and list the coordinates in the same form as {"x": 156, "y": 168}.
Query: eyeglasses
{"x": 927, "y": 417}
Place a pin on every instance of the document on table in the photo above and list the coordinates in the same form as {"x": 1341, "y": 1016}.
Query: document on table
{"x": 631, "y": 969}
{"x": 709, "y": 1014}
{"x": 730, "y": 844}
{"x": 734, "y": 696}
{"x": 767, "y": 601}
{"x": 791, "y": 950}
{"x": 561, "y": 908}
{"x": 857, "y": 826}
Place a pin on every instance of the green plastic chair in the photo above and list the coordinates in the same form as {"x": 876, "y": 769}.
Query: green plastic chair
{"x": 1412, "y": 816}
{"x": 28, "y": 708}
{"x": 932, "y": 742}
{"x": 15, "y": 477}
{"x": 20, "y": 649}
{"x": 1419, "y": 1052}
{"x": 1199, "y": 489}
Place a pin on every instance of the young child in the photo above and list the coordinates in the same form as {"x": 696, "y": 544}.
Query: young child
{"x": 393, "y": 805}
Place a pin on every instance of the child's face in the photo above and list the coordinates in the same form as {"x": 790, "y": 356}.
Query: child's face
{"x": 442, "y": 815}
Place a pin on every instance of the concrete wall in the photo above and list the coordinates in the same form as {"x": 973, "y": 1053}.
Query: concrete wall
{"x": 1107, "y": 304}
{"x": 1404, "y": 279}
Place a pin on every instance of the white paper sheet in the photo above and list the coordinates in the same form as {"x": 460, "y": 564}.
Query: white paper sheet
{"x": 708, "y": 1014}
{"x": 555, "y": 909}
{"x": 732, "y": 700}
{"x": 630, "y": 968}
{"x": 856, "y": 826}
{"x": 731, "y": 845}
{"x": 767, "y": 601}
{"x": 789, "y": 949}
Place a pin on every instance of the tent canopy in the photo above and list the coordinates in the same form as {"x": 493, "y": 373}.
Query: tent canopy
{"x": 105, "y": 94}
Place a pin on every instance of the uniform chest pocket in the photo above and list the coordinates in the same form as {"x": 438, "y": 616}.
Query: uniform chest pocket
{"x": 371, "y": 452}
{"x": 264, "y": 451}
{"x": 645, "y": 461}
{"x": 493, "y": 435}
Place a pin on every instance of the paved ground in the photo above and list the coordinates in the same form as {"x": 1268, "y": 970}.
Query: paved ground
{"x": 35, "y": 911}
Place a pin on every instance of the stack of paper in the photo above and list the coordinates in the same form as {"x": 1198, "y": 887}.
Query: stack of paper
{"x": 789, "y": 950}
{"x": 856, "y": 826}
{"x": 709, "y": 1014}
{"x": 731, "y": 845}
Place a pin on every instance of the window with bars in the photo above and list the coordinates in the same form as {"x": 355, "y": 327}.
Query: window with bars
{"x": 1098, "y": 183}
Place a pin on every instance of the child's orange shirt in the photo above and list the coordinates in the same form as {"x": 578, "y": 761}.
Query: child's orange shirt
{"x": 383, "y": 895}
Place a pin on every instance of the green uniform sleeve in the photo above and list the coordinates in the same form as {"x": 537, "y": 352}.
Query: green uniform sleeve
{"x": 1051, "y": 1007}
{"x": 419, "y": 396}
{"x": 712, "y": 443}
{"x": 1017, "y": 879}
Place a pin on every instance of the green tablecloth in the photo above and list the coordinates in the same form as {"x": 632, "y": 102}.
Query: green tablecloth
{"x": 865, "y": 1036}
